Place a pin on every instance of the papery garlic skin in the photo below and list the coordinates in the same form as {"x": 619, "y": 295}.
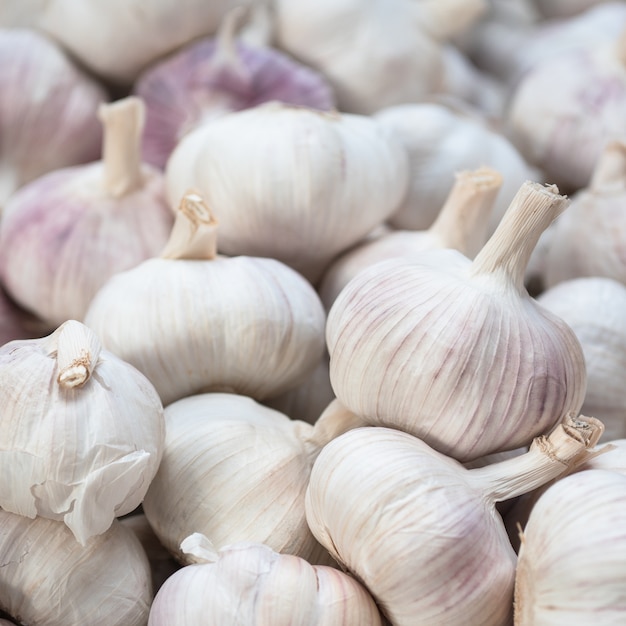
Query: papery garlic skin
{"x": 201, "y": 83}
{"x": 439, "y": 143}
{"x": 82, "y": 431}
{"x": 233, "y": 470}
{"x": 594, "y": 309}
{"x": 565, "y": 135}
{"x": 572, "y": 559}
{"x": 48, "y": 117}
{"x": 455, "y": 351}
{"x": 324, "y": 179}
{"x": 250, "y": 584}
{"x": 47, "y": 579}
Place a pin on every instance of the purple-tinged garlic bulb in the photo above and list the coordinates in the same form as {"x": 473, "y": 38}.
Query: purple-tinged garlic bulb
{"x": 48, "y": 114}
{"x": 455, "y": 351}
{"x": 63, "y": 235}
{"x": 213, "y": 77}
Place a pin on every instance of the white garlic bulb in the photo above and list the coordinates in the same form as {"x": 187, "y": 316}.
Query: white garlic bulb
{"x": 588, "y": 240}
{"x": 375, "y": 53}
{"x": 324, "y": 179}
{"x": 440, "y": 142}
{"x": 64, "y": 234}
{"x": 461, "y": 224}
{"x": 249, "y": 583}
{"x": 47, "y": 579}
{"x": 421, "y": 531}
{"x": 565, "y": 110}
{"x": 163, "y": 316}
{"x": 455, "y": 351}
{"x": 594, "y": 309}
{"x": 212, "y": 77}
{"x": 237, "y": 471}
{"x": 81, "y": 433}
{"x": 48, "y": 118}
{"x": 572, "y": 559}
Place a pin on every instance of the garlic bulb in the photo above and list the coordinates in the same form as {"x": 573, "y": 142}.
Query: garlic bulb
{"x": 322, "y": 179}
{"x": 455, "y": 351}
{"x": 421, "y": 531}
{"x": 441, "y": 142}
{"x": 567, "y": 108}
{"x": 249, "y": 583}
{"x": 117, "y": 40}
{"x": 237, "y": 471}
{"x": 47, "y": 579}
{"x": 63, "y": 235}
{"x": 374, "y": 53}
{"x": 213, "y": 77}
{"x": 594, "y": 309}
{"x": 81, "y": 432}
{"x": 461, "y": 224}
{"x": 589, "y": 239}
{"x": 572, "y": 565}
{"x": 194, "y": 321}
{"x": 44, "y": 96}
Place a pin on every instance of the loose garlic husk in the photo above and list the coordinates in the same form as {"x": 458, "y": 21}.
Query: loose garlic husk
{"x": 237, "y": 471}
{"x": 63, "y": 235}
{"x": 249, "y": 583}
{"x": 212, "y": 77}
{"x": 461, "y": 224}
{"x": 440, "y": 142}
{"x": 322, "y": 179}
{"x": 374, "y": 53}
{"x": 455, "y": 351}
{"x": 421, "y": 531}
{"x": 47, "y": 579}
{"x": 589, "y": 239}
{"x": 572, "y": 560}
{"x": 163, "y": 316}
{"x": 81, "y": 433}
{"x": 565, "y": 110}
{"x": 594, "y": 309}
{"x": 48, "y": 118}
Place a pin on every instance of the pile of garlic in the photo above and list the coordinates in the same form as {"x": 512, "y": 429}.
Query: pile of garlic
{"x": 273, "y": 359}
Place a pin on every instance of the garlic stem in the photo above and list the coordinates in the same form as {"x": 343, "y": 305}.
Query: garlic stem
{"x": 463, "y": 220}
{"x": 508, "y": 251}
{"x": 199, "y": 549}
{"x": 550, "y": 456}
{"x": 194, "y": 235}
{"x": 77, "y": 350}
{"x": 123, "y": 123}
{"x": 335, "y": 420}
{"x": 610, "y": 170}
{"x": 226, "y": 57}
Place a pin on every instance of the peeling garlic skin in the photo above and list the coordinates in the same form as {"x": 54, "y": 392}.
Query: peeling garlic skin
{"x": 48, "y": 113}
{"x": 190, "y": 88}
{"x": 62, "y": 236}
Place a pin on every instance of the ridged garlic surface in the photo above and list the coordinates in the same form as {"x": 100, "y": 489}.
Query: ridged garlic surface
{"x": 81, "y": 431}
{"x": 47, "y": 579}
{"x": 291, "y": 183}
{"x": 455, "y": 351}
{"x": 249, "y": 584}
{"x": 48, "y": 115}
{"x": 462, "y": 224}
{"x": 235, "y": 470}
{"x": 64, "y": 234}
{"x": 593, "y": 308}
{"x": 421, "y": 531}
{"x": 572, "y": 559}
{"x": 194, "y": 321}
{"x": 440, "y": 142}
{"x": 589, "y": 238}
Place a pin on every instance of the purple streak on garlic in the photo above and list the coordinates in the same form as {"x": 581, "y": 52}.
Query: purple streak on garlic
{"x": 48, "y": 111}
{"x": 214, "y": 77}
{"x": 63, "y": 235}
